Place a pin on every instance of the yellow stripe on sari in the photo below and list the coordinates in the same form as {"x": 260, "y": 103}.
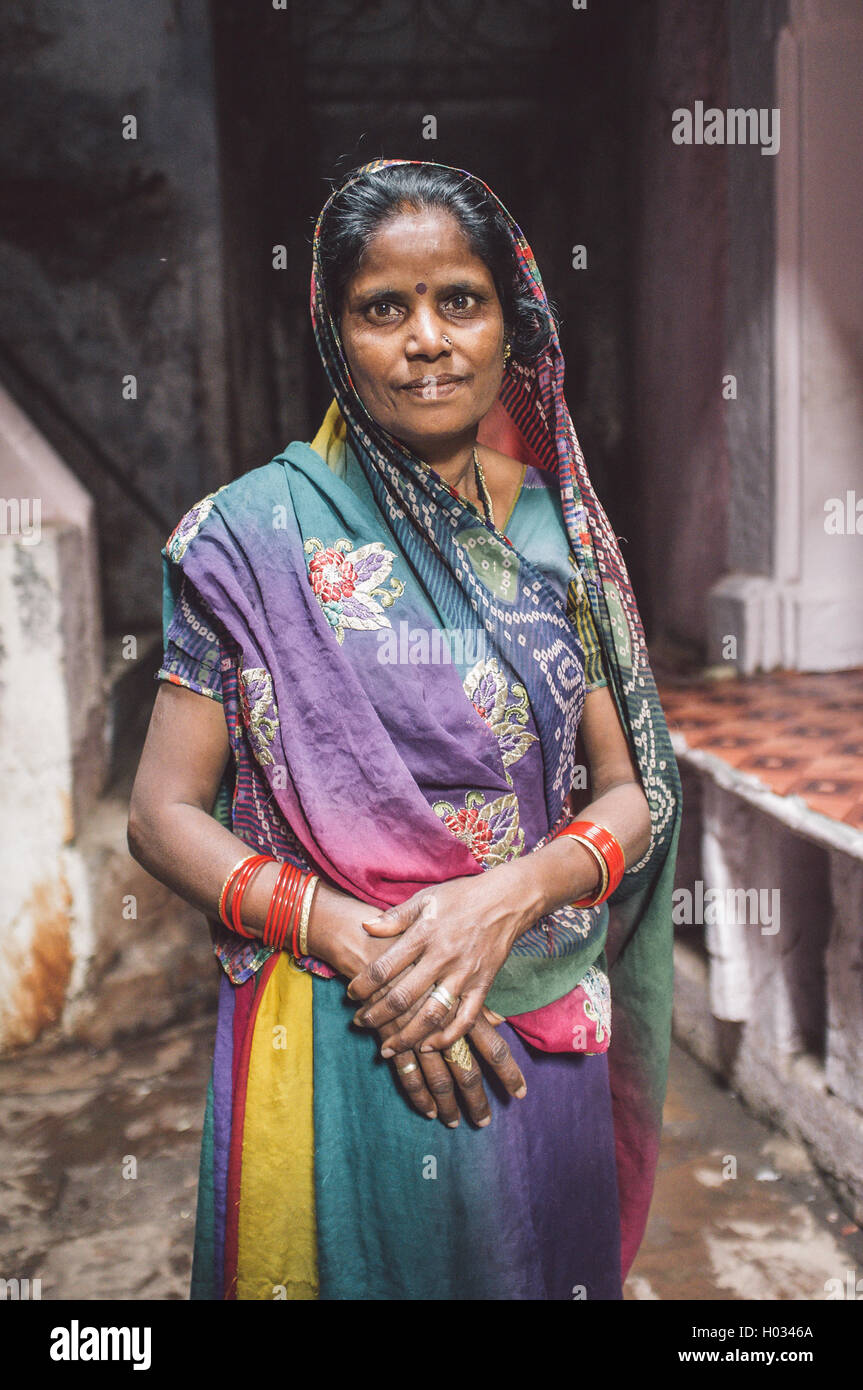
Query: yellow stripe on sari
{"x": 277, "y": 1228}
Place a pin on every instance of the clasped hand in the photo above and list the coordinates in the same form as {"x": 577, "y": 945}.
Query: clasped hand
{"x": 456, "y": 935}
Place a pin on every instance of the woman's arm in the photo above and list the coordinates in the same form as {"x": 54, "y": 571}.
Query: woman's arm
{"x": 618, "y": 803}
{"x": 459, "y": 934}
{"x": 173, "y": 834}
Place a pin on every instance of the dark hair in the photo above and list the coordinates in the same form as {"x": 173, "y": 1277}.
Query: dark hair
{"x": 358, "y": 210}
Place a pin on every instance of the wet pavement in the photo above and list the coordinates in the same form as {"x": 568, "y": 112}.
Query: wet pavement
{"x": 98, "y": 1173}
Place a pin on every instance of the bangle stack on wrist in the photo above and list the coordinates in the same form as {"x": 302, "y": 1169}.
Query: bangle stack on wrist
{"x": 289, "y": 908}
{"x": 607, "y": 852}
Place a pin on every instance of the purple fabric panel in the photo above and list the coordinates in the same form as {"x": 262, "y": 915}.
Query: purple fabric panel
{"x": 346, "y": 758}
{"x": 560, "y": 1138}
{"x": 223, "y": 1054}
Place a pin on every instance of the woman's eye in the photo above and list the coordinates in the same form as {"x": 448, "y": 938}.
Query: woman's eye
{"x": 380, "y": 310}
{"x": 462, "y": 302}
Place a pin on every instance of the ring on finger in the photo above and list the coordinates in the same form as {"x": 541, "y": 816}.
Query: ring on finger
{"x": 403, "y": 1071}
{"x": 443, "y": 996}
{"x": 460, "y": 1054}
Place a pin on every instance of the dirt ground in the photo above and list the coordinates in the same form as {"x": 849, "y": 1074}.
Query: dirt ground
{"x": 98, "y": 1173}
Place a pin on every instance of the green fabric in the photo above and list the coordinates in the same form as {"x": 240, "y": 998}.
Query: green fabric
{"x": 524, "y": 983}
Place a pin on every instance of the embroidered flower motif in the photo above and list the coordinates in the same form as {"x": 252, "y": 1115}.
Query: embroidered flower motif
{"x": 505, "y": 713}
{"x": 349, "y": 584}
{"x": 597, "y": 1001}
{"x": 258, "y": 705}
{"x": 189, "y": 526}
{"x": 490, "y": 830}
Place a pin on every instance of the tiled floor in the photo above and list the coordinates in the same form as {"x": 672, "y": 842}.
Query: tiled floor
{"x": 799, "y": 733}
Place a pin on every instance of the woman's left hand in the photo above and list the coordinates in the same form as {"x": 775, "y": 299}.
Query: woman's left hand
{"x": 456, "y": 935}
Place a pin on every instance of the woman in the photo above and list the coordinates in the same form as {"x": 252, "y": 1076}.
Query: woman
{"x": 415, "y": 639}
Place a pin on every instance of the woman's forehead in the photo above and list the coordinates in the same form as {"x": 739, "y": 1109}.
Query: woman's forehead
{"x": 422, "y": 247}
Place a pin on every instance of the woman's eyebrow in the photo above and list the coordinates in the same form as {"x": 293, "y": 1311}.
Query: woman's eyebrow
{"x": 462, "y": 286}
{"x": 465, "y": 286}
{"x": 379, "y": 292}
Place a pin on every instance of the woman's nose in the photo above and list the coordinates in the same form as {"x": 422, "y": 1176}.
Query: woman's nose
{"x": 425, "y": 333}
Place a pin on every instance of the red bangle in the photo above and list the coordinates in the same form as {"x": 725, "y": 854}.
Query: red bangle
{"x": 231, "y": 883}
{"x": 286, "y": 906}
{"x": 610, "y": 849}
{"x": 277, "y": 917}
{"x": 291, "y": 904}
{"x": 246, "y": 874}
{"x": 273, "y": 907}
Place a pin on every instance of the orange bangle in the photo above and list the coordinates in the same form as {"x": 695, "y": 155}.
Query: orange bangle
{"x": 604, "y": 876}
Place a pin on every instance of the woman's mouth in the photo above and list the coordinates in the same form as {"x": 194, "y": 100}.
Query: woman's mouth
{"x": 433, "y": 388}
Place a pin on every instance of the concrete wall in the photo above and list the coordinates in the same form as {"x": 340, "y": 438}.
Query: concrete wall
{"x": 792, "y": 595}
{"x": 678, "y": 450}
{"x": 90, "y": 945}
{"x": 770, "y": 994}
{"x": 110, "y": 265}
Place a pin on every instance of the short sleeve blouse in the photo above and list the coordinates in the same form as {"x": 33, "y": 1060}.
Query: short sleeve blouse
{"x": 193, "y": 649}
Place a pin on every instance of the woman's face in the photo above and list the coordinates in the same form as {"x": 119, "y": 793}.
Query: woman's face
{"x": 423, "y": 332}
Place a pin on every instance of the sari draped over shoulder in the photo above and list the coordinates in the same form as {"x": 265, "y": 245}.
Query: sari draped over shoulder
{"x": 403, "y": 688}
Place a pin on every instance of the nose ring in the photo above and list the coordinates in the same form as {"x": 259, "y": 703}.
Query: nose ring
{"x": 447, "y": 340}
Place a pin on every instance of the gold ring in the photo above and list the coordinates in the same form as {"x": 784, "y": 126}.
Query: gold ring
{"x": 403, "y": 1071}
{"x": 443, "y": 996}
{"x": 460, "y": 1054}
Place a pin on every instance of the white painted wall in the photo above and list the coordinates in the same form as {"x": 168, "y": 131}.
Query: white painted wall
{"x": 51, "y": 726}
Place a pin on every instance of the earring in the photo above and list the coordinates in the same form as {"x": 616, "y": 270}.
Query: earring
{"x": 507, "y": 353}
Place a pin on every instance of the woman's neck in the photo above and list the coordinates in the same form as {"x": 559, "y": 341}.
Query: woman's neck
{"x": 456, "y": 467}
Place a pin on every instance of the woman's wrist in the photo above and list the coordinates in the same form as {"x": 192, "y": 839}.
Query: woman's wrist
{"x": 335, "y": 932}
{"x": 558, "y": 873}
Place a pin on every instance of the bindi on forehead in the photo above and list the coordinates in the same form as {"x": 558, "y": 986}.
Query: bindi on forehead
{"x": 421, "y": 288}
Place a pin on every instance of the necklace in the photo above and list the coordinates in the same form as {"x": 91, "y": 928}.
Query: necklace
{"x": 482, "y": 487}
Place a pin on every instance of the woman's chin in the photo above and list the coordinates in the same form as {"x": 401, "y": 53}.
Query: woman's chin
{"x": 436, "y": 427}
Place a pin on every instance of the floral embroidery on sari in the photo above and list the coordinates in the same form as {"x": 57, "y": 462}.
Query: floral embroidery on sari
{"x": 189, "y": 525}
{"x": 489, "y": 829}
{"x": 597, "y": 1003}
{"x": 348, "y": 584}
{"x": 505, "y": 712}
{"x": 260, "y": 715}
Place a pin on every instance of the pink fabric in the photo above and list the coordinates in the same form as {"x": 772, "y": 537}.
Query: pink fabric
{"x": 570, "y": 1024}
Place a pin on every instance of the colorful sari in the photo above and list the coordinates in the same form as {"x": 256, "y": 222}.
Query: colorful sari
{"x": 403, "y": 685}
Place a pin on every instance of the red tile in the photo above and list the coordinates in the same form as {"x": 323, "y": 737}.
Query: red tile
{"x": 827, "y": 795}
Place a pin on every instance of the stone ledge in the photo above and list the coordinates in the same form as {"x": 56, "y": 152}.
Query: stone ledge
{"x": 791, "y": 1093}
{"x": 791, "y": 811}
